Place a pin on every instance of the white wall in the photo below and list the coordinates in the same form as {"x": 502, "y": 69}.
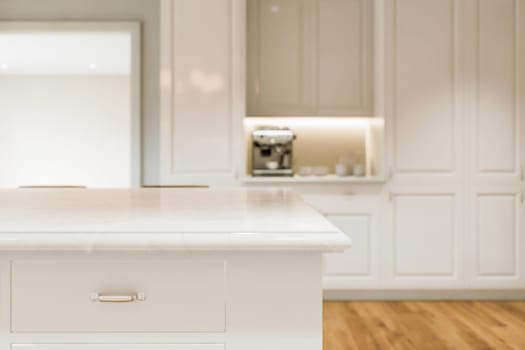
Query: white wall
{"x": 65, "y": 130}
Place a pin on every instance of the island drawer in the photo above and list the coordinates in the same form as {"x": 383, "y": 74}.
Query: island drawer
{"x": 118, "y": 347}
{"x": 76, "y": 296}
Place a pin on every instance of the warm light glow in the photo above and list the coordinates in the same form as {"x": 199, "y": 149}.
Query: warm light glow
{"x": 4, "y": 66}
{"x": 309, "y": 122}
{"x": 92, "y": 66}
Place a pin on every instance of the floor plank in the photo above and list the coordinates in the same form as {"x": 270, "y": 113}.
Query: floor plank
{"x": 424, "y": 325}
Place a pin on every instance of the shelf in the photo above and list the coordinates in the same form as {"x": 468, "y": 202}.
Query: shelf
{"x": 314, "y": 179}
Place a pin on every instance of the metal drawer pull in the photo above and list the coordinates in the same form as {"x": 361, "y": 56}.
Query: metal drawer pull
{"x": 111, "y": 298}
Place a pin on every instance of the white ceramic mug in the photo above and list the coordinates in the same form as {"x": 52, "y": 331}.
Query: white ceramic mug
{"x": 341, "y": 169}
{"x": 359, "y": 170}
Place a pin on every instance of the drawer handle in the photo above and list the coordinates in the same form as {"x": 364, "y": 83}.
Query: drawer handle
{"x": 120, "y": 298}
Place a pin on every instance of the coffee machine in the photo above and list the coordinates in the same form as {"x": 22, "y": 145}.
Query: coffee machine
{"x": 272, "y": 151}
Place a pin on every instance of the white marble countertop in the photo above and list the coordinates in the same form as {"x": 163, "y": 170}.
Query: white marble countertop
{"x": 163, "y": 219}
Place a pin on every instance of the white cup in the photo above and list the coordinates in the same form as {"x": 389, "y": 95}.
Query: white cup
{"x": 320, "y": 171}
{"x": 341, "y": 169}
{"x": 305, "y": 171}
{"x": 359, "y": 170}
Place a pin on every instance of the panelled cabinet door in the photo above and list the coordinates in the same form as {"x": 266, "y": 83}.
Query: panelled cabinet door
{"x": 356, "y": 261}
{"x": 426, "y": 236}
{"x": 344, "y": 57}
{"x": 278, "y": 52}
{"x": 197, "y": 124}
{"x": 495, "y": 234}
{"x": 422, "y": 91}
{"x": 309, "y": 57}
{"x": 424, "y": 134}
{"x": 455, "y": 109}
{"x": 360, "y": 217}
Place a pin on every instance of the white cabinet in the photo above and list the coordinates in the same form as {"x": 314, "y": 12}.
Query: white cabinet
{"x": 451, "y": 216}
{"x": 360, "y": 217}
{"x": 344, "y": 57}
{"x": 495, "y": 105}
{"x": 309, "y": 57}
{"x": 454, "y": 120}
{"x": 209, "y": 300}
{"x": 452, "y": 213}
{"x": 358, "y": 260}
{"x": 279, "y": 71}
{"x": 424, "y": 228}
{"x": 425, "y": 234}
{"x": 495, "y": 115}
{"x": 198, "y": 130}
{"x": 422, "y": 66}
{"x": 497, "y": 234}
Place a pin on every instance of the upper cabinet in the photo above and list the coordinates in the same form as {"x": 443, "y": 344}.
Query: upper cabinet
{"x": 278, "y": 74}
{"x": 344, "y": 57}
{"x": 310, "y": 58}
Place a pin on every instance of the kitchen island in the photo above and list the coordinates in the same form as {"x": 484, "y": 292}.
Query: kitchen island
{"x": 161, "y": 269}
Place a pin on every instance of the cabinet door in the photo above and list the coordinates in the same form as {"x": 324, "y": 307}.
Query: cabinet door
{"x": 424, "y": 239}
{"x": 423, "y": 69}
{"x": 495, "y": 248}
{"x": 344, "y": 57}
{"x": 356, "y": 261}
{"x": 279, "y": 57}
{"x": 425, "y": 235}
{"x": 422, "y": 73}
{"x": 361, "y": 218}
{"x": 309, "y": 57}
{"x": 197, "y": 127}
{"x": 496, "y": 236}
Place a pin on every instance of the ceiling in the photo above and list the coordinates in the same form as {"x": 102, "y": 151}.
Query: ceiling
{"x": 71, "y": 53}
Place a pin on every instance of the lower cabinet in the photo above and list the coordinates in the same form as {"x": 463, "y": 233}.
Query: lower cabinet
{"x": 118, "y": 347}
{"x": 358, "y": 260}
{"x": 425, "y": 235}
{"x": 424, "y": 238}
{"x": 360, "y": 218}
{"x": 497, "y": 237}
{"x": 154, "y": 300}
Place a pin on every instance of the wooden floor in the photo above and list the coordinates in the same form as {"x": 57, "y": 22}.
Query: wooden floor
{"x": 424, "y": 325}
